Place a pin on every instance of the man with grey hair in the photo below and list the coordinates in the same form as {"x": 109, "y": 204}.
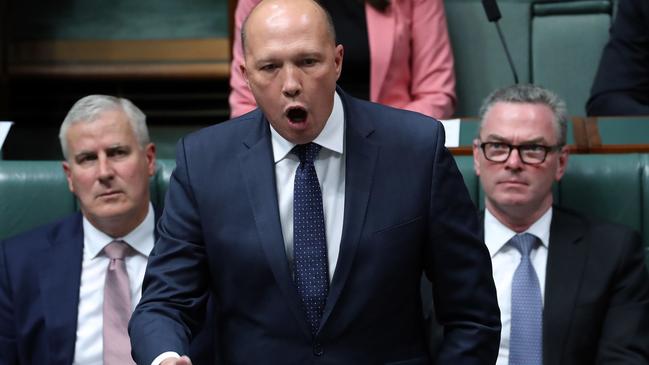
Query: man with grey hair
{"x": 571, "y": 290}
{"x": 67, "y": 289}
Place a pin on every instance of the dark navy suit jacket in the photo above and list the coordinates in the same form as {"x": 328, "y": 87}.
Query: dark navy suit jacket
{"x": 407, "y": 211}
{"x": 40, "y": 275}
{"x": 621, "y": 85}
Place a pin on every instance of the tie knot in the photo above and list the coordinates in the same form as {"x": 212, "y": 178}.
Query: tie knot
{"x": 117, "y": 250}
{"x": 307, "y": 152}
{"x": 524, "y": 243}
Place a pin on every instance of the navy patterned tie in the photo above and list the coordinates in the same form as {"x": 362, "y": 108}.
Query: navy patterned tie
{"x": 526, "y": 339}
{"x": 309, "y": 242}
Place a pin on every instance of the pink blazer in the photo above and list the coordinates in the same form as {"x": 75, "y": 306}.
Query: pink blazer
{"x": 411, "y": 58}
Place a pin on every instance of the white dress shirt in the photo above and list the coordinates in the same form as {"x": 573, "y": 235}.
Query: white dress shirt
{"x": 330, "y": 167}
{"x": 89, "y": 344}
{"x": 505, "y": 260}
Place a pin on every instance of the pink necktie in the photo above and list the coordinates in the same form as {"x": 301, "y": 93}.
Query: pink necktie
{"x": 117, "y": 306}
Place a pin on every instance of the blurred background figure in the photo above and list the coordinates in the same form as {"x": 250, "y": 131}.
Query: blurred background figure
{"x": 396, "y": 53}
{"x": 621, "y": 85}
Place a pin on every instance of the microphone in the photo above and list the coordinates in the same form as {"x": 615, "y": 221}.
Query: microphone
{"x": 493, "y": 15}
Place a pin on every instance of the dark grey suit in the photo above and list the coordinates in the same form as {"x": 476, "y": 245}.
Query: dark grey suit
{"x": 596, "y": 294}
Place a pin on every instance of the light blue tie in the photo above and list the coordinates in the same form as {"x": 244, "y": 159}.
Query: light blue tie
{"x": 309, "y": 241}
{"x": 526, "y": 339}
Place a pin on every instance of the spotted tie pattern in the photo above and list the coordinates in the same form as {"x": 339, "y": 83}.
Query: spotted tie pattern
{"x": 309, "y": 242}
{"x": 526, "y": 339}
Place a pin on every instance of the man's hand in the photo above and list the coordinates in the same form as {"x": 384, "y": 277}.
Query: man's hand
{"x": 184, "y": 360}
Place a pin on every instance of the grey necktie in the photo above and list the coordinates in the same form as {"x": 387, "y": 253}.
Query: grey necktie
{"x": 117, "y": 306}
{"x": 526, "y": 339}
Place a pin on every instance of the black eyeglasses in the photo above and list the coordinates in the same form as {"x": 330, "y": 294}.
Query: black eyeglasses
{"x": 531, "y": 154}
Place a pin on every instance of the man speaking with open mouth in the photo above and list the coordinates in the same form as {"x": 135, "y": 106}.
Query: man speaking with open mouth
{"x": 311, "y": 220}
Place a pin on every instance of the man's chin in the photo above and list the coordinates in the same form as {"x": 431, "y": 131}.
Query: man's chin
{"x": 512, "y": 201}
{"x": 110, "y": 210}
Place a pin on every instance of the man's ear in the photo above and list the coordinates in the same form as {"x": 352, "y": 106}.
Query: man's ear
{"x": 149, "y": 152}
{"x": 338, "y": 59}
{"x": 68, "y": 175}
{"x": 476, "y": 156}
{"x": 244, "y": 73}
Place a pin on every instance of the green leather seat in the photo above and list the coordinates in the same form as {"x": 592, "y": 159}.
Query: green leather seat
{"x": 480, "y": 62}
{"x": 32, "y": 193}
{"x": 614, "y": 187}
{"x": 610, "y": 186}
{"x": 166, "y": 137}
{"x": 567, "y": 42}
{"x": 36, "y": 192}
{"x": 555, "y": 44}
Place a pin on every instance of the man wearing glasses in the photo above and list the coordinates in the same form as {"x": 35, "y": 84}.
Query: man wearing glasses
{"x": 571, "y": 290}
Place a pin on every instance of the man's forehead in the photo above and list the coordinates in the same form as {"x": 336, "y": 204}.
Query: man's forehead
{"x": 529, "y": 120}
{"x": 284, "y": 14}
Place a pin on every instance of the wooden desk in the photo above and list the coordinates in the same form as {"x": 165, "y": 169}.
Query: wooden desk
{"x": 614, "y": 134}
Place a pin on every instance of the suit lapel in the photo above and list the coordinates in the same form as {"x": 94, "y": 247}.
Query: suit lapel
{"x": 566, "y": 260}
{"x": 258, "y": 169}
{"x": 60, "y": 277}
{"x": 361, "y": 155}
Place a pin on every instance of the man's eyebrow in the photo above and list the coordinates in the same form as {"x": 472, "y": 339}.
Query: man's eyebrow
{"x": 499, "y": 138}
{"x": 117, "y": 146}
{"x": 84, "y": 154}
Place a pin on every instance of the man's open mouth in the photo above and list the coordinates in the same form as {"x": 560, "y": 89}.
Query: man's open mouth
{"x": 296, "y": 114}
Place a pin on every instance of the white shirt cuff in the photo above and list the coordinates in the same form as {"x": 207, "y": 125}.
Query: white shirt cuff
{"x": 164, "y": 356}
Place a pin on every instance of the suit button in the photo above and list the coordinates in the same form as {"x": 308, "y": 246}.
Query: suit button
{"x": 317, "y": 349}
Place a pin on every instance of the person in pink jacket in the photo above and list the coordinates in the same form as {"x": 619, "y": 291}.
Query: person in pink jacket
{"x": 403, "y": 59}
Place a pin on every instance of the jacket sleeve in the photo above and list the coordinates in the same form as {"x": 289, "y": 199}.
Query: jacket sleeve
{"x": 459, "y": 266}
{"x": 175, "y": 288}
{"x": 621, "y": 85}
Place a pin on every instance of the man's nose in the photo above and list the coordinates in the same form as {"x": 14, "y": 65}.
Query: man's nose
{"x": 291, "y": 86}
{"x": 514, "y": 160}
{"x": 106, "y": 171}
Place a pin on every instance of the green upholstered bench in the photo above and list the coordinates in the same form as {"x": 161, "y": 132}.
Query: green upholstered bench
{"x": 610, "y": 186}
{"x": 33, "y": 193}
{"x": 567, "y": 42}
{"x": 614, "y": 187}
{"x": 555, "y": 44}
{"x": 480, "y": 62}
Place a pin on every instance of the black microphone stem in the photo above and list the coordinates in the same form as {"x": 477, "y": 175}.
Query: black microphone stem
{"x": 509, "y": 57}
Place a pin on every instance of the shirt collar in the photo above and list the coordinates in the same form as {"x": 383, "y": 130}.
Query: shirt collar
{"x": 141, "y": 238}
{"x": 496, "y": 234}
{"x": 331, "y": 137}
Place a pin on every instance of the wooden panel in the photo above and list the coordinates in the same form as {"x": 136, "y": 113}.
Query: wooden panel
{"x": 216, "y": 71}
{"x": 617, "y": 134}
{"x": 191, "y": 58}
{"x": 121, "y": 38}
{"x": 65, "y": 51}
